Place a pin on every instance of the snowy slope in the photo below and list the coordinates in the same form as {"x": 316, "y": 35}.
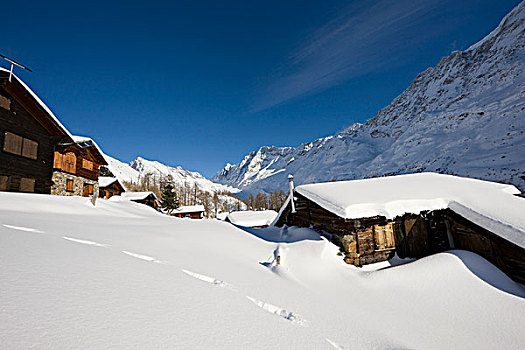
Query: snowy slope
{"x": 465, "y": 116}
{"x": 120, "y": 275}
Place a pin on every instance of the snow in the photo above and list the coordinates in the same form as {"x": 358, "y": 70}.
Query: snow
{"x": 121, "y": 275}
{"x": 105, "y": 181}
{"x": 188, "y": 209}
{"x": 491, "y": 205}
{"x": 80, "y": 139}
{"x": 40, "y": 102}
{"x": 251, "y": 218}
{"x": 135, "y": 196}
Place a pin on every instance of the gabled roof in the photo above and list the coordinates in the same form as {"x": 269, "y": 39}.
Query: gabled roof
{"x": 189, "y": 209}
{"x": 106, "y": 181}
{"x": 138, "y": 196}
{"x": 250, "y": 218}
{"x": 491, "y": 205}
{"x": 18, "y": 89}
{"x": 89, "y": 143}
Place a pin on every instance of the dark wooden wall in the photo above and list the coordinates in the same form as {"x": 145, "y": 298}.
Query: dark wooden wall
{"x": 19, "y": 121}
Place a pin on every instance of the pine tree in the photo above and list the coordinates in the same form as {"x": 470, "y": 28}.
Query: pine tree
{"x": 169, "y": 198}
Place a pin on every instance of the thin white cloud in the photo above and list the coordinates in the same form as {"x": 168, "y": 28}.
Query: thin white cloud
{"x": 364, "y": 37}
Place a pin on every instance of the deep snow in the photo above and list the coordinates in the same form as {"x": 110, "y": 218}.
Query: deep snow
{"x": 120, "y": 275}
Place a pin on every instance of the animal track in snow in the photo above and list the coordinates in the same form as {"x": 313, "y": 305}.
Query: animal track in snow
{"x": 82, "y": 241}
{"x": 290, "y": 316}
{"x": 205, "y": 278}
{"x": 20, "y": 228}
{"x": 142, "y": 257}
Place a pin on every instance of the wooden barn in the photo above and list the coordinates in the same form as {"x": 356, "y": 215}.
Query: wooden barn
{"x": 189, "y": 211}
{"x": 109, "y": 187}
{"x": 415, "y": 215}
{"x": 75, "y": 168}
{"x": 146, "y": 198}
{"x": 29, "y": 133}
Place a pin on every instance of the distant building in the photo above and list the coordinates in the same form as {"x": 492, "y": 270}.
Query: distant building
{"x": 28, "y": 134}
{"x": 250, "y": 218}
{"x": 75, "y": 168}
{"x": 415, "y": 215}
{"x": 109, "y": 187}
{"x": 189, "y": 211}
{"x": 147, "y": 198}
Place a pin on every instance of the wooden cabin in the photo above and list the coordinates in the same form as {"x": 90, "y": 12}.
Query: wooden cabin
{"x": 28, "y": 134}
{"x": 109, "y": 187}
{"x": 146, "y": 198}
{"x": 414, "y": 216}
{"x": 252, "y": 218}
{"x": 75, "y": 168}
{"x": 189, "y": 211}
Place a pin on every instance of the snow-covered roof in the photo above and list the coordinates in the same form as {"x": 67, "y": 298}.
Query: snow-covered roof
{"x": 105, "y": 181}
{"x": 39, "y": 101}
{"x": 137, "y": 196}
{"x": 491, "y": 205}
{"x": 88, "y": 142}
{"x": 189, "y": 209}
{"x": 251, "y": 218}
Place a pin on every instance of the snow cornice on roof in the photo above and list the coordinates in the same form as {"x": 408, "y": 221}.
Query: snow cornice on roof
{"x": 491, "y": 205}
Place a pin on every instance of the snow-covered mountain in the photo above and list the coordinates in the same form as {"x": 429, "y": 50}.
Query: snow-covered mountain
{"x": 140, "y": 168}
{"x": 465, "y": 116}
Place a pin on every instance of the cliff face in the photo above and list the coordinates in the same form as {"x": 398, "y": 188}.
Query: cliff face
{"x": 465, "y": 116}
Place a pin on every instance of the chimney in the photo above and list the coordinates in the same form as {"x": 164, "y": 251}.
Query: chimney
{"x": 290, "y": 181}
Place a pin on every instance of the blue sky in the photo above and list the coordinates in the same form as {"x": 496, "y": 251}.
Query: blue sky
{"x": 202, "y": 83}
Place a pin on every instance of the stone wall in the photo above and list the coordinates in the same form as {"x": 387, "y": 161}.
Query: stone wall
{"x": 59, "y": 186}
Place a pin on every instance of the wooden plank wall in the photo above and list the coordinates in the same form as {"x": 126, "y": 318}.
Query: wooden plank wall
{"x": 19, "y": 121}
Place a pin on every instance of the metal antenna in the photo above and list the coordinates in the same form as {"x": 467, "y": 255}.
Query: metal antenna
{"x": 13, "y": 62}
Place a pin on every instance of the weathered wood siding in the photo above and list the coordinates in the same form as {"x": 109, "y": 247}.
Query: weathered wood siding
{"x": 355, "y": 238}
{"x": 19, "y": 121}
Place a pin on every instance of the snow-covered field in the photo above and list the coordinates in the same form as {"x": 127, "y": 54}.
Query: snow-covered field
{"x": 120, "y": 275}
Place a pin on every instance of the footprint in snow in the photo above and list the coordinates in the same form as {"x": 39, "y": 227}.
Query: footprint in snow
{"x": 287, "y": 315}
{"x": 335, "y": 345}
{"x": 82, "y": 241}
{"x": 207, "y": 279}
{"x": 20, "y": 228}
{"x": 143, "y": 257}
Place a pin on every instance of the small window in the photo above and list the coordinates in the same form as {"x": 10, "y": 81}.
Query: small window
{"x": 13, "y": 143}
{"x": 27, "y": 185}
{"x": 70, "y": 162}
{"x": 86, "y": 164}
{"x": 87, "y": 190}
{"x": 5, "y": 103}
{"x": 384, "y": 236}
{"x": 69, "y": 185}
{"x": 30, "y": 149}
{"x": 4, "y": 182}
{"x": 20, "y": 146}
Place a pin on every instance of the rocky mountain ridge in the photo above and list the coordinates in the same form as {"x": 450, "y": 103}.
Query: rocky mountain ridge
{"x": 465, "y": 116}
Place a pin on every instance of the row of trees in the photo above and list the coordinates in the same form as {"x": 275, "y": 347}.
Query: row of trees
{"x": 173, "y": 195}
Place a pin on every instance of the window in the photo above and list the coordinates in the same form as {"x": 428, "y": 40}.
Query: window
{"x": 66, "y": 162}
{"x": 69, "y": 185}
{"x": 20, "y": 146}
{"x": 5, "y": 103}
{"x": 86, "y": 164}
{"x": 87, "y": 190}
{"x": 13, "y": 143}
{"x": 27, "y": 184}
{"x": 384, "y": 236}
{"x": 29, "y": 149}
{"x": 4, "y": 182}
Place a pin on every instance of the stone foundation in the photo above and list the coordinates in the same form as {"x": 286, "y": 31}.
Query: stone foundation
{"x": 59, "y": 186}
